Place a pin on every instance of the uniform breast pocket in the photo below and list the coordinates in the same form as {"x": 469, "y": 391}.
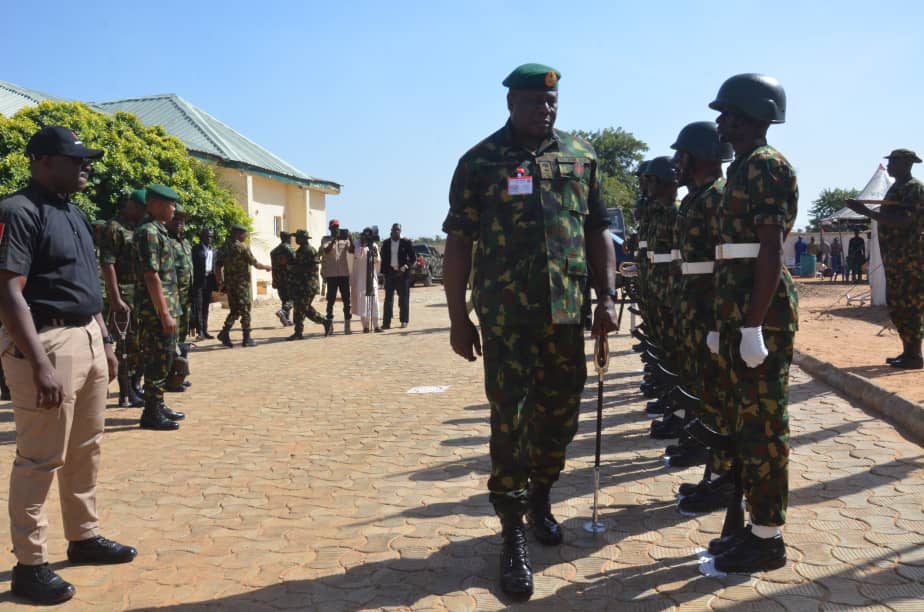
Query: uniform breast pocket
{"x": 573, "y": 186}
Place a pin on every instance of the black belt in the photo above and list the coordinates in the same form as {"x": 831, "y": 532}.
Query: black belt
{"x": 69, "y": 321}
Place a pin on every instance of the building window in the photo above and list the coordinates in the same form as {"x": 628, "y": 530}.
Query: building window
{"x": 277, "y": 226}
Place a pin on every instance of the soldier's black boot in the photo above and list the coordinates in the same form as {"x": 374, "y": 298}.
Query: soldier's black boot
{"x": 224, "y": 336}
{"x": 248, "y": 341}
{"x": 40, "y": 584}
{"x": 137, "y": 390}
{"x": 297, "y": 335}
{"x": 173, "y": 415}
{"x": 516, "y": 575}
{"x": 124, "y": 389}
{"x": 752, "y": 554}
{"x": 539, "y": 516}
{"x": 153, "y": 418}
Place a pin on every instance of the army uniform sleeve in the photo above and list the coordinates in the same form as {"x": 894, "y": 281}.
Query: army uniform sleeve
{"x": 19, "y": 229}
{"x": 771, "y": 184}
{"x": 248, "y": 255}
{"x": 109, "y": 245}
{"x": 597, "y": 217}
{"x": 148, "y": 251}
{"x": 464, "y": 217}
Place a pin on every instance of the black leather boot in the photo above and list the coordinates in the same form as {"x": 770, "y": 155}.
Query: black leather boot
{"x": 752, "y": 554}
{"x": 153, "y": 418}
{"x": 516, "y": 575}
{"x": 224, "y": 336}
{"x": 539, "y": 516}
{"x": 248, "y": 341}
{"x": 137, "y": 390}
{"x": 173, "y": 415}
{"x": 125, "y": 385}
{"x": 40, "y": 584}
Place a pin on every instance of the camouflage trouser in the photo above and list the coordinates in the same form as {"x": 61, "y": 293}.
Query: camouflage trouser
{"x": 287, "y": 299}
{"x": 159, "y": 351}
{"x": 128, "y": 349}
{"x": 302, "y": 309}
{"x": 755, "y": 404}
{"x": 239, "y": 306}
{"x": 533, "y": 380}
{"x": 905, "y": 298}
{"x": 182, "y": 323}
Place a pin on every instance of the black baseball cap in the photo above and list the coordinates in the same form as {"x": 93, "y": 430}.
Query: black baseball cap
{"x": 59, "y": 140}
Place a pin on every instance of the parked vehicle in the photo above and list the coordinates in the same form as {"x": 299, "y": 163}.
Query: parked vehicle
{"x": 428, "y": 267}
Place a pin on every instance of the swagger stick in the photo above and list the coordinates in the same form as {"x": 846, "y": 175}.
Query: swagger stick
{"x": 602, "y": 364}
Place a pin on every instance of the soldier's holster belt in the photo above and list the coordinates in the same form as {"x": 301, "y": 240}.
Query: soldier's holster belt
{"x": 737, "y": 250}
{"x": 697, "y": 267}
{"x": 642, "y": 244}
{"x": 675, "y": 255}
{"x": 660, "y": 258}
{"x": 41, "y": 322}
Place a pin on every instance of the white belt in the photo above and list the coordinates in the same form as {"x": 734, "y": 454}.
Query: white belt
{"x": 737, "y": 250}
{"x": 675, "y": 254}
{"x": 643, "y": 244}
{"x": 660, "y": 258}
{"x": 697, "y": 267}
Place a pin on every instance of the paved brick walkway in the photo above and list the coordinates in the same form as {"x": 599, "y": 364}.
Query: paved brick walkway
{"x": 307, "y": 478}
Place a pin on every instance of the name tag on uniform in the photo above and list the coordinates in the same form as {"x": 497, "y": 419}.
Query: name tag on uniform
{"x": 520, "y": 185}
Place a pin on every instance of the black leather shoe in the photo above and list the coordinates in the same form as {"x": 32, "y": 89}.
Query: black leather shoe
{"x": 707, "y": 499}
{"x": 539, "y": 516}
{"x": 909, "y": 362}
{"x": 295, "y": 336}
{"x": 99, "y": 551}
{"x": 516, "y": 575}
{"x": 752, "y": 554}
{"x": 658, "y": 407}
{"x": 153, "y": 419}
{"x": 688, "y": 457}
{"x": 187, "y": 384}
{"x": 671, "y": 427}
{"x": 717, "y": 546}
{"x": 328, "y": 327}
{"x": 173, "y": 415}
{"x": 248, "y": 342}
{"x": 891, "y": 360}
{"x": 224, "y": 337}
{"x": 208, "y": 336}
{"x": 40, "y": 584}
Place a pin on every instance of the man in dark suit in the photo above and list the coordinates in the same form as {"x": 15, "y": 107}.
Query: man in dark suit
{"x": 397, "y": 261}
{"x": 203, "y": 256}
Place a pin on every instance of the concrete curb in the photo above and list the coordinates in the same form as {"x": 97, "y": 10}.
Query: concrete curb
{"x": 908, "y": 416}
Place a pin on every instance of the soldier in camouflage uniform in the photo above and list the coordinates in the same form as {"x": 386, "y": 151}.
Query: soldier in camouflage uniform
{"x": 158, "y": 305}
{"x": 182, "y": 252}
{"x": 901, "y": 242}
{"x": 280, "y": 257}
{"x": 756, "y": 311}
{"x": 529, "y": 195}
{"x": 662, "y": 175}
{"x": 304, "y": 284}
{"x": 233, "y": 276}
{"x": 117, "y": 264}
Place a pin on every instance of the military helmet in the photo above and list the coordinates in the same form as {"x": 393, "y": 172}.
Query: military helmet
{"x": 662, "y": 168}
{"x": 701, "y": 140}
{"x": 758, "y": 96}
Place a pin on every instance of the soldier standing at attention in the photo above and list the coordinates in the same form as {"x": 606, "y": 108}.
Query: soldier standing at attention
{"x": 158, "y": 305}
{"x": 280, "y": 257}
{"x": 302, "y": 272}
{"x": 117, "y": 262}
{"x": 233, "y": 276}
{"x": 58, "y": 360}
{"x": 530, "y": 196}
{"x": 901, "y": 224}
{"x": 183, "y": 254}
{"x": 756, "y": 310}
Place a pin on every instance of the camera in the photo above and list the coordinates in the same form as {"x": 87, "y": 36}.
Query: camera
{"x": 370, "y": 235}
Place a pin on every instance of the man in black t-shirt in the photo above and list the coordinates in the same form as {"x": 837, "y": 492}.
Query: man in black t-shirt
{"x": 58, "y": 358}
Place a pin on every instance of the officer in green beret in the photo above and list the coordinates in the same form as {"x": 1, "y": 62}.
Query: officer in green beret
{"x": 280, "y": 258}
{"x": 901, "y": 243}
{"x": 117, "y": 263}
{"x": 182, "y": 252}
{"x": 304, "y": 284}
{"x": 232, "y": 273}
{"x": 158, "y": 305}
{"x": 529, "y": 195}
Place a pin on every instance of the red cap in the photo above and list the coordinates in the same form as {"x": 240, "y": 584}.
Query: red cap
{"x": 333, "y": 222}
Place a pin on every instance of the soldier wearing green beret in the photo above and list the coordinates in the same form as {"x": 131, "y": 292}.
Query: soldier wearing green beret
{"x": 901, "y": 242}
{"x": 158, "y": 305}
{"x": 117, "y": 263}
{"x": 530, "y": 196}
{"x": 182, "y": 252}
{"x": 280, "y": 258}
{"x": 304, "y": 284}
{"x": 232, "y": 273}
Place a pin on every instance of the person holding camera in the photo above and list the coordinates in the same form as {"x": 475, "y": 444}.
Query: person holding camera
{"x": 364, "y": 283}
{"x": 397, "y": 261}
{"x": 337, "y": 248}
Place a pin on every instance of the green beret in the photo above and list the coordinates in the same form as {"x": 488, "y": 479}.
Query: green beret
{"x": 302, "y": 234}
{"x": 904, "y": 153}
{"x": 162, "y": 191}
{"x": 139, "y": 196}
{"x": 237, "y": 227}
{"x": 534, "y": 77}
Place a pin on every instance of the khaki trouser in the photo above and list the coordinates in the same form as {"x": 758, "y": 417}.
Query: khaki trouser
{"x": 64, "y": 440}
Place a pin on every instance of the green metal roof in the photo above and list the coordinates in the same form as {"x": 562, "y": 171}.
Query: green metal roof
{"x": 14, "y": 97}
{"x": 207, "y": 137}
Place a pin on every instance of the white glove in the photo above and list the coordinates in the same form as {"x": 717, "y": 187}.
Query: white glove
{"x": 712, "y": 341}
{"x": 753, "y": 351}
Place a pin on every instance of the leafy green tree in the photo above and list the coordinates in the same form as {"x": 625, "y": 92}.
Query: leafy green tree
{"x": 136, "y": 155}
{"x": 829, "y": 202}
{"x": 619, "y": 154}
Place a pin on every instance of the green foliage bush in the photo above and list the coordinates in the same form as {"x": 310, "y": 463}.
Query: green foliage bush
{"x": 136, "y": 156}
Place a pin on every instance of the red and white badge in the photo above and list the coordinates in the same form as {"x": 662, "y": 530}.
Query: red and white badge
{"x": 520, "y": 184}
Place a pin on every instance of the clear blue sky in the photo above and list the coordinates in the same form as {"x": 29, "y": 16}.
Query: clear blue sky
{"x": 384, "y": 97}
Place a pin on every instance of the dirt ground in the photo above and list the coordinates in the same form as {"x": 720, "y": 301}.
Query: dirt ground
{"x": 856, "y": 338}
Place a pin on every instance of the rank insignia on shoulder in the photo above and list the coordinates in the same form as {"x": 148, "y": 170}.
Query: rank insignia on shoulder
{"x": 545, "y": 170}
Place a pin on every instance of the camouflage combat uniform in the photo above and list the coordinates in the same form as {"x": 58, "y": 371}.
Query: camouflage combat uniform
{"x": 303, "y": 283}
{"x": 642, "y": 208}
{"x": 696, "y": 234}
{"x": 530, "y": 273}
{"x": 117, "y": 248}
{"x": 902, "y": 250}
{"x": 235, "y": 259}
{"x": 761, "y": 190}
{"x": 280, "y": 257}
{"x": 155, "y": 252}
{"x": 182, "y": 251}
{"x": 660, "y": 242}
